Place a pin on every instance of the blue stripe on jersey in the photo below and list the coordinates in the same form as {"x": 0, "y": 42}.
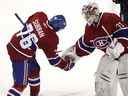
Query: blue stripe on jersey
{"x": 33, "y": 46}
{"x": 54, "y": 60}
{"x": 84, "y": 46}
{"x": 14, "y": 92}
{"x": 123, "y": 32}
{"x": 34, "y": 81}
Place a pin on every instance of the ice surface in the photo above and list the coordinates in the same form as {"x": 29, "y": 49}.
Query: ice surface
{"x": 54, "y": 82}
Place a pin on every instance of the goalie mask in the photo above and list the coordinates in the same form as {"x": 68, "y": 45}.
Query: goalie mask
{"x": 91, "y": 13}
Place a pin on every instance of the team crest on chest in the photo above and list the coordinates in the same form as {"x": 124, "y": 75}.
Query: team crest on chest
{"x": 101, "y": 42}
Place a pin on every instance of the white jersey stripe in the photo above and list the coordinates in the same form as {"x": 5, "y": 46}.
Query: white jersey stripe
{"x": 29, "y": 56}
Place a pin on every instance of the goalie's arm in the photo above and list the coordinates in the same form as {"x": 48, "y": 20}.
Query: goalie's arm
{"x": 121, "y": 33}
{"x": 78, "y": 50}
{"x": 83, "y": 48}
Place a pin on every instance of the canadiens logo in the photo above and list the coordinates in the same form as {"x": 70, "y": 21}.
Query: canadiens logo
{"x": 101, "y": 42}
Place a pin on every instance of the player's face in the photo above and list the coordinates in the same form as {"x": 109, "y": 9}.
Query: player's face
{"x": 89, "y": 17}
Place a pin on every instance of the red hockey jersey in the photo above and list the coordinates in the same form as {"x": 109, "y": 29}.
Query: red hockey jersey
{"x": 99, "y": 35}
{"x": 38, "y": 35}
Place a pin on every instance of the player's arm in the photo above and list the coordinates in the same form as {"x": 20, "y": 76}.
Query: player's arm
{"x": 120, "y": 33}
{"x": 117, "y": 22}
{"x": 120, "y": 26}
{"x": 55, "y": 60}
{"x": 81, "y": 48}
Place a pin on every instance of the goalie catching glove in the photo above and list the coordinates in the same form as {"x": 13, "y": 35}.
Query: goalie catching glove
{"x": 70, "y": 57}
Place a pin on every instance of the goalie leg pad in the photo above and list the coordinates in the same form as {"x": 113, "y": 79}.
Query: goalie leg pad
{"x": 105, "y": 81}
{"x": 124, "y": 86}
{"x": 123, "y": 74}
{"x": 105, "y": 88}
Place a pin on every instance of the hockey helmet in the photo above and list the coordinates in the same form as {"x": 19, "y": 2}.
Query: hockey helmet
{"x": 57, "y": 22}
{"x": 90, "y": 12}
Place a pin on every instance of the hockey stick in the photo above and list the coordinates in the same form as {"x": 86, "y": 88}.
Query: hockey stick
{"x": 25, "y": 27}
{"x": 21, "y": 21}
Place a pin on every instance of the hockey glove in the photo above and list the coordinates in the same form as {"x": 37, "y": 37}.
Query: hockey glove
{"x": 70, "y": 63}
{"x": 70, "y": 53}
{"x": 70, "y": 57}
{"x": 115, "y": 49}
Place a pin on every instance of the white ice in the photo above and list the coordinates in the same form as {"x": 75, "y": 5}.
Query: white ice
{"x": 54, "y": 82}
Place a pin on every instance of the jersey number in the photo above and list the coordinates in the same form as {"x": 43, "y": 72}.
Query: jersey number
{"x": 26, "y": 42}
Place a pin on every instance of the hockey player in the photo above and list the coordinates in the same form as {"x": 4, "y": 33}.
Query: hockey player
{"x": 106, "y": 32}
{"x": 38, "y": 32}
{"x": 123, "y": 9}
